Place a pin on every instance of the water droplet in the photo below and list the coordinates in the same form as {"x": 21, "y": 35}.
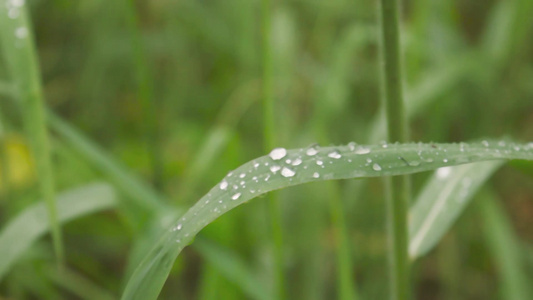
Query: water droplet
{"x": 362, "y": 150}
{"x": 224, "y": 185}
{"x": 17, "y": 3}
{"x": 21, "y": 32}
{"x": 267, "y": 177}
{"x": 288, "y": 161}
{"x": 335, "y": 155}
{"x": 485, "y": 143}
{"x": 235, "y": 187}
{"x": 278, "y": 153}
{"x": 236, "y": 196}
{"x": 443, "y": 172}
{"x": 369, "y": 160}
{"x": 286, "y": 172}
{"x": 376, "y": 167}
{"x": 319, "y": 162}
{"x": 242, "y": 183}
{"x": 414, "y": 163}
{"x": 351, "y": 146}
{"x": 311, "y": 151}
{"x": 445, "y": 160}
{"x": 316, "y": 175}
{"x": 242, "y": 175}
{"x": 256, "y": 165}
{"x": 178, "y": 227}
{"x": 13, "y": 13}
{"x": 297, "y": 162}
{"x": 275, "y": 169}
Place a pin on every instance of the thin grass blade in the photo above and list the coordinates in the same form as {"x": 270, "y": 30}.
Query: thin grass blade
{"x": 233, "y": 268}
{"x": 442, "y": 200}
{"x": 19, "y": 234}
{"x": 505, "y": 248}
{"x": 19, "y": 50}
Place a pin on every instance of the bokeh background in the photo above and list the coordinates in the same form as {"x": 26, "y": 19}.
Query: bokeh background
{"x": 172, "y": 90}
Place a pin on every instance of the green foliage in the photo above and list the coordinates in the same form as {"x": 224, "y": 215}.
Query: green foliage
{"x": 282, "y": 168}
{"x": 161, "y": 98}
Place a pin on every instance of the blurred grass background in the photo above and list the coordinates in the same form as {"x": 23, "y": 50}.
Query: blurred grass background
{"x": 172, "y": 91}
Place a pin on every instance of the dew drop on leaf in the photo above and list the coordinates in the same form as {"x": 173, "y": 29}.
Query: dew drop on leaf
{"x": 335, "y": 155}
{"x": 311, "y": 151}
{"x": 362, "y": 150}
{"x": 278, "y": 153}
{"x": 275, "y": 169}
{"x": 236, "y": 196}
{"x": 319, "y": 162}
{"x": 316, "y": 175}
{"x": 286, "y": 172}
{"x": 21, "y": 32}
{"x": 297, "y": 162}
{"x": 178, "y": 227}
{"x": 224, "y": 185}
{"x": 443, "y": 172}
{"x": 376, "y": 167}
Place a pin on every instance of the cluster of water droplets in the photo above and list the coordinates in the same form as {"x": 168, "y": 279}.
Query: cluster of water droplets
{"x": 315, "y": 163}
{"x": 14, "y": 10}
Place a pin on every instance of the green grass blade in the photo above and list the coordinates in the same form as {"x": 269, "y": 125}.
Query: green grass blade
{"x": 442, "y": 200}
{"x": 138, "y": 191}
{"x": 145, "y": 92}
{"x": 505, "y": 248}
{"x": 233, "y": 268}
{"x": 19, "y": 234}
{"x": 78, "y": 284}
{"x": 281, "y": 169}
{"x": 21, "y": 57}
{"x": 398, "y": 189}
{"x": 269, "y": 138}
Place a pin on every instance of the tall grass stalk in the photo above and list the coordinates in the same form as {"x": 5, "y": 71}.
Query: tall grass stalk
{"x": 145, "y": 92}
{"x": 21, "y": 58}
{"x": 270, "y": 143}
{"x": 398, "y": 187}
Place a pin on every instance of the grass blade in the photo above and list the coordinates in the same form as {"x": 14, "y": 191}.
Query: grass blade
{"x": 19, "y": 234}
{"x": 442, "y": 200}
{"x": 398, "y": 188}
{"x": 142, "y": 194}
{"x": 284, "y": 168}
{"x": 19, "y": 49}
{"x": 78, "y": 284}
{"x": 505, "y": 248}
{"x": 269, "y": 137}
{"x": 233, "y": 268}
{"x": 145, "y": 92}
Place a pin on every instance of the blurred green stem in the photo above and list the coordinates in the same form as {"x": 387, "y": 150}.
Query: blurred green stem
{"x": 398, "y": 187}
{"x": 145, "y": 95}
{"x": 270, "y": 142}
{"x": 22, "y": 62}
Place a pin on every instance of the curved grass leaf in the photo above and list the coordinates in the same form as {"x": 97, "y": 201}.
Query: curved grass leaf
{"x": 233, "y": 268}
{"x": 19, "y": 234}
{"x": 504, "y": 246}
{"x": 442, "y": 200}
{"x": 283, "y": 168}
{"x": 17, "y": 42}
